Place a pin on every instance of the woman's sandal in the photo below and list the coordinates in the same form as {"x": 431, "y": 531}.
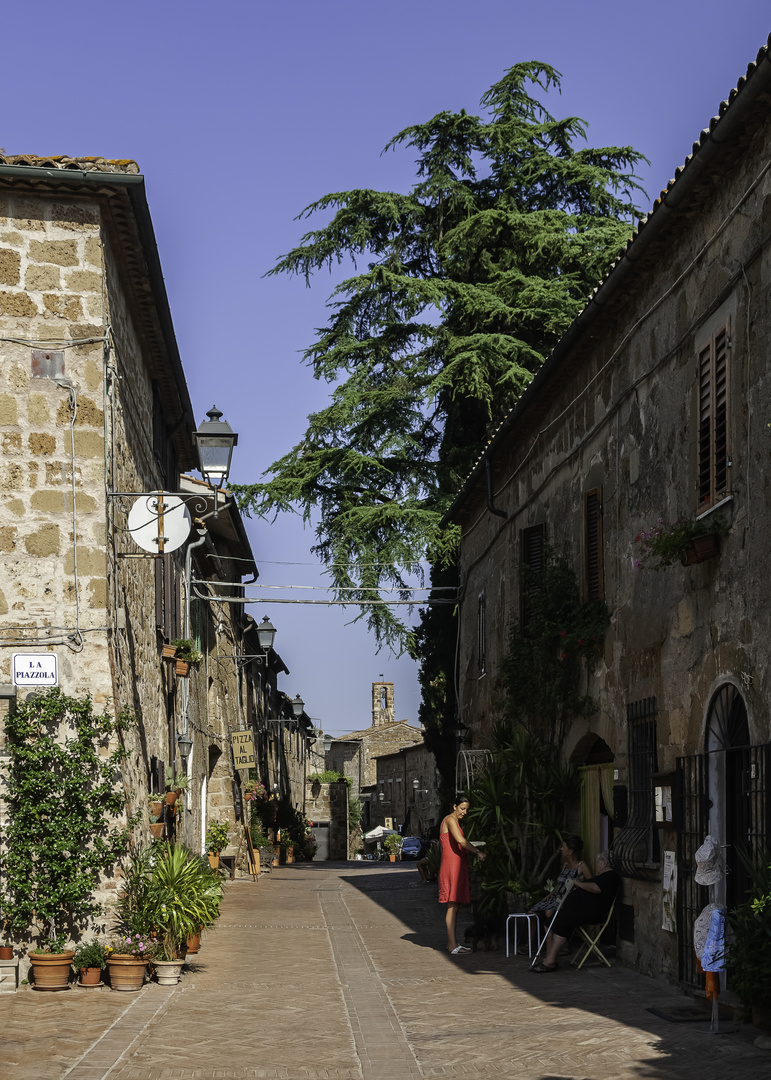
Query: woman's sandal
{"x": 542, "y": 969}
{"x": 458, "y": 950}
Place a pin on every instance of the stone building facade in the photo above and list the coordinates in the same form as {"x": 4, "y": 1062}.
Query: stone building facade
{"x": 653, "y": 407}
{"x": 413, "y": 807}
{"x": 95, "y": 411}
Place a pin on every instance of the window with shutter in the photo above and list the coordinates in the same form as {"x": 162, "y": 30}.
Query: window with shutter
{"x": 593, "y": 570}
{"x": 533, "y": 557}
{"x": 713, "y": 418}
{"x": 481, "y": 635}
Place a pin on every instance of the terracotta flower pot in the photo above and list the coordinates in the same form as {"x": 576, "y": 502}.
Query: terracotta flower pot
{"x": 193, "y": 943}
{"x": 171, "y": 797}
{"x": 126, "y": 972}
{"x": 156, "y": 808}
{"x": 169, "y": 652}
{"x": 214, "y": 861}
{"x": 91, "y": 976}
{"x": 156, "y": 830}
{"x": 6, "y": 952}
{"x": 183, "y": 668}
{"x": 392, "y": 858}
{"x": 51, "y": 971}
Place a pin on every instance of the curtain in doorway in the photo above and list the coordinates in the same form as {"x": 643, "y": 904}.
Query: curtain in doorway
{"x": 596, "y": 798}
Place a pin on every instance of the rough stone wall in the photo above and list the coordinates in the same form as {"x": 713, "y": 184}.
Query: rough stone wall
{"x": 338, "y": 820}
{"x": 622, "y": 415}
{"x": 413, "y": 810}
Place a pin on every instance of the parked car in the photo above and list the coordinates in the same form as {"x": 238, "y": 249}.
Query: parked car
{"x": 412, "y": 847}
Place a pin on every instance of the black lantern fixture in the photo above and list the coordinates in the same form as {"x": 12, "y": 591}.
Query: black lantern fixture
{"x": 185, "y": 745}
{"x": 461, "y": 732}
{"x": 298, "y": 706}
{"x": 215, "y": 440}
{"x": 266, "y": 634}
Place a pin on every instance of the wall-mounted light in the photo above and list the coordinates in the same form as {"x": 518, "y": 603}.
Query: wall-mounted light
{"x": 215, "y": 440}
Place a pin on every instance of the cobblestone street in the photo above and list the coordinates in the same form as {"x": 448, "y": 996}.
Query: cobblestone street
{"x": 338, "y": 971}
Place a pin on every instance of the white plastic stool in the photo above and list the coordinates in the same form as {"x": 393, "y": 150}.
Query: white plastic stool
{"x": 528, "y": 916}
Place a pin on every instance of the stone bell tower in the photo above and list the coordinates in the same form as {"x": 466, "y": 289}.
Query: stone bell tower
{"x": 383, "y": 711}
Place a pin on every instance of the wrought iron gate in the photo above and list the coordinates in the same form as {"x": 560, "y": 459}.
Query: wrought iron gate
{"x": 691, "y": 821}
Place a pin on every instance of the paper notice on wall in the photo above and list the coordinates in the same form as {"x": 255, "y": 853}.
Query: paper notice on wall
{"x": 669, "y": 893}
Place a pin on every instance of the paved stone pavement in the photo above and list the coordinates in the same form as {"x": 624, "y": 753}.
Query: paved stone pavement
{"x": 338, "y": 972}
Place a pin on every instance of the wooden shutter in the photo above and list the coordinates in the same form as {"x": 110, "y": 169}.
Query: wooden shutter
{"x": 593, "y": 574}
{"x": 713, "y": 418}
{"x": 533, "y": 552}
{"x": 481, "y": 635}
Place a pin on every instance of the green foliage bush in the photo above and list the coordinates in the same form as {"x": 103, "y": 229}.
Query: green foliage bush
{"x": 63, "y": 805}
{"x": 749, "y": 953}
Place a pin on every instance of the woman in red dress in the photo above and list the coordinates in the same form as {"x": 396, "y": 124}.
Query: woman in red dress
{"x": 453, "y": 873}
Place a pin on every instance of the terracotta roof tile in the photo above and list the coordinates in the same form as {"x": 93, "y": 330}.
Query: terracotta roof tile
{"x": 63, "y": 162}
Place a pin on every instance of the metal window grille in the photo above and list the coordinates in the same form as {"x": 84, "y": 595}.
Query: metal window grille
{"x": 636, "y": 847}
{"x": 691, "y": 822}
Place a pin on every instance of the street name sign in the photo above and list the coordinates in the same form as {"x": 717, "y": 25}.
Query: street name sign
{"x": 35, "y": 669}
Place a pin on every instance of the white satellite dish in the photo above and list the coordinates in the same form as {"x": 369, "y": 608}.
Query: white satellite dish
{"x": 159, "y": 522}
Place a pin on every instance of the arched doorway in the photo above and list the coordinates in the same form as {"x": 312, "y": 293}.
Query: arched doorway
{"x": 594, "y": 759}
{"x": 727, "y": 743}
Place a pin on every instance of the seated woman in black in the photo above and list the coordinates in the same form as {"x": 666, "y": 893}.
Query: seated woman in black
{"x": 587, "y": 902}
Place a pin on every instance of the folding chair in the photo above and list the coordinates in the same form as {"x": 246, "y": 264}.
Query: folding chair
{"x": 591, "y": 936}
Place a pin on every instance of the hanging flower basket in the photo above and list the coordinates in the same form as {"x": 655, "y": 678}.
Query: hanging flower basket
{"x": 169, "y": 652}
{"x": 183, "y": 668}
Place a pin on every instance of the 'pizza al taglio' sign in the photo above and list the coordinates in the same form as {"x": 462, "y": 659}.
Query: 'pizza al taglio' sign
{"x": 35, "y": 669}
{"x": 243, "y": 749}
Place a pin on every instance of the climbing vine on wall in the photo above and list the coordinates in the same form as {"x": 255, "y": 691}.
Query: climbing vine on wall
{"x": 63, "y": 802}
{"x": 550, "y": 651}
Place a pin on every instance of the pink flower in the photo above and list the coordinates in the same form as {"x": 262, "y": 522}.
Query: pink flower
{"x": 636, "y": 564}
{"x": 563, "y": 656}
{"x": 580, "y": 641}
{"x": 563, "y": 633}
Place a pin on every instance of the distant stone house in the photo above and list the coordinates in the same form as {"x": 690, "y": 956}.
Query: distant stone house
{"x": 408, "y": 782}
{"x": 355, "y": 754}
{"x": 95, "y": 410}
{"x": 654, "y": 405}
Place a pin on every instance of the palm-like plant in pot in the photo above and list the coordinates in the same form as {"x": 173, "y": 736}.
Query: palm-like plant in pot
{"x": 183, "y": 900}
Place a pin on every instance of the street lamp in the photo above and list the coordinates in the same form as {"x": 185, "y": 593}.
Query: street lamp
{"x": 461, "y": 732}
{"x": 266, "y": 634}
{"x": 185, "y": 745}
{"x": 298, "y": 705}
{"x": 215, "y": 440}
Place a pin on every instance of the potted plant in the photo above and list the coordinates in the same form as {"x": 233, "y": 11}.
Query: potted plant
{"x": 169, "y": 651}
{"x": 51, "y": 966}
{"x": 686, "y": 541}
{"x": 155, "y": 805}
{"x": 176, "y": 783}
{"x": 287, "y": 847}
{"x": 255, "y": 791}
{"x": 90, "y": 960}
{"x": 217, "y": 837}
{"x": 393, "y": 845}
{"x": 182, "y": 899}
{"x": 749, "y": 946}
{"x": 186, "y": 655}
{"x": 127, "y": 957}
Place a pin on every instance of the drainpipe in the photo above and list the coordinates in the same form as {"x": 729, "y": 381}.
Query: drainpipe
{"x": 203, "y": 536}
{"x": 489, "y": 477}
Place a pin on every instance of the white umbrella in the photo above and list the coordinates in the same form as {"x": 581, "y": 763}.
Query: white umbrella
{"x": 379, "y": 832}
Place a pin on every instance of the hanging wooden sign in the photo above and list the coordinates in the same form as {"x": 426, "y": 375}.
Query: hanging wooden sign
{"x": 242, "y": 743}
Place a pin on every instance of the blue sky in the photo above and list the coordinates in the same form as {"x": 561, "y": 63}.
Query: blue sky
{"x": 240, "y": 114}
